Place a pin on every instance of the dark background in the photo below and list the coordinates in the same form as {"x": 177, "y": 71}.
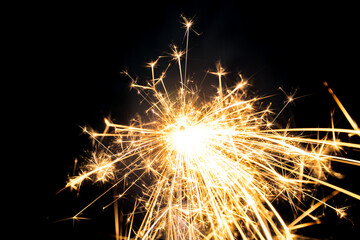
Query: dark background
{"x": 72, "y": 55}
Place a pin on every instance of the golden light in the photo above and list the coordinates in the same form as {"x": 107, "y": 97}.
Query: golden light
{"x": 219, "y": 166}
{"x": 190, "y": 140}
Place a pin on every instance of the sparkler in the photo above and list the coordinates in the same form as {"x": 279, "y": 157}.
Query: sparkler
{"x": 218, "y": 166}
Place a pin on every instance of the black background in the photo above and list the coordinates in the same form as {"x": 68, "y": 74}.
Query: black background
{"x": 71, "y": 57}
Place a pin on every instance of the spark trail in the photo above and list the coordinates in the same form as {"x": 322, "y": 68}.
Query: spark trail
{"x": 219, "y": 166}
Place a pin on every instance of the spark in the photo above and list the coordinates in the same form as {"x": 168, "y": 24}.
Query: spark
{"x": 347, "y": 115}
{"x": 220, "y": 71}
{"x": 219, "y": 167}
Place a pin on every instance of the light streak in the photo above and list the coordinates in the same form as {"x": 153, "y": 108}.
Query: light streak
{"x": 217, "y": 165}
{"x": 347, "y": 115}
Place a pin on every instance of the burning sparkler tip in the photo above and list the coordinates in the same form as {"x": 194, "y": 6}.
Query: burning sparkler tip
{"x": 216, "y": 165}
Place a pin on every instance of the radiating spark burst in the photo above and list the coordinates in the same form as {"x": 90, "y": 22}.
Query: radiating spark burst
{"x": 217, "y": 165}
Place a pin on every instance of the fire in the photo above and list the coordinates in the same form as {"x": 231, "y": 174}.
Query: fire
{"x": 218, "y": 165}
